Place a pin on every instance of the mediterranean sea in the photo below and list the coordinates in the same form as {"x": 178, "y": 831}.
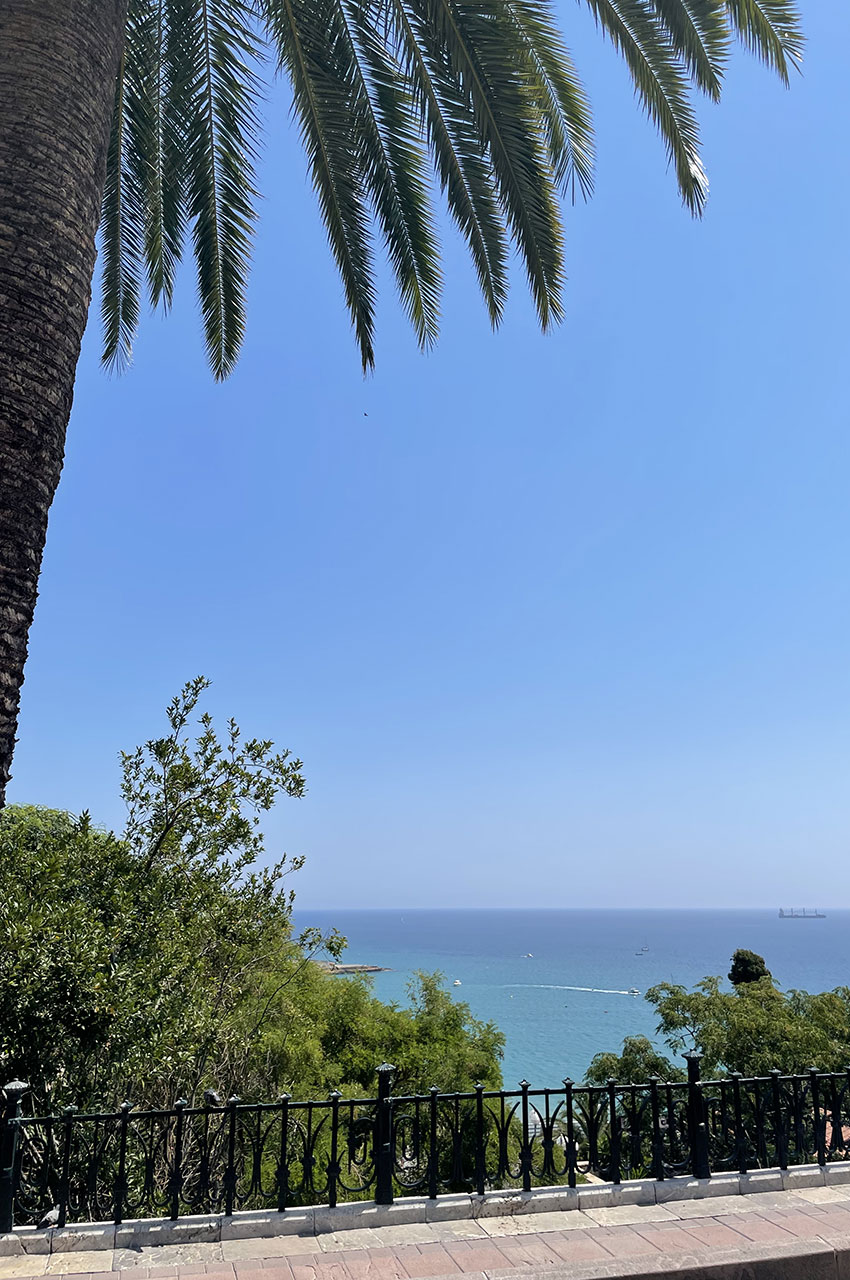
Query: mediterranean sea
{"x": 556, "y": 982}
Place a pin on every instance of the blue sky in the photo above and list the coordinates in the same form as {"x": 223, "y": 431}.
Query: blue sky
{"x": 552, "y": 620}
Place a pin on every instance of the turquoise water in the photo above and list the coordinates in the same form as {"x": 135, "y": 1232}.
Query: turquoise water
{"x": 552, "y": 1028}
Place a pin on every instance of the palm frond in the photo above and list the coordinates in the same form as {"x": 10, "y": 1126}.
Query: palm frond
{"x": 562, "y": 101}
{"x": 699, "y": 33}
{"x": 220, "y": 93}
{"x": 465, "y": 175}
{"x": 393, "y": 166}
{"x": 158, "y": 141}
{"x": 122, "y": 223}
{"x": 660, "y": 80}
{"x": 771, "y": 29}
{"x": 322, "y": 102}
{"x": 486, "y": 59}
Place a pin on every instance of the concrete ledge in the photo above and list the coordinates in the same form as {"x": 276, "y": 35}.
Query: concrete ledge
{"x": 314, "y": 1220}
{"x": 268, "y": 1222}
{"x": 85, "y": 1235}
{"x": 721, "y": 1184}
{"x": 806, "y": 1175}
{"x": 760, "y": 1180}
{"x": 145, "y": 1232}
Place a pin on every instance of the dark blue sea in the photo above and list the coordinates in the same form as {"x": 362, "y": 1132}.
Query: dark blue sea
{"x": 556, "y": 981}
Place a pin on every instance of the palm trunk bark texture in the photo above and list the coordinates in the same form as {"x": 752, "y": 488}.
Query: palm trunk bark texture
{"x": 58, "y": 64}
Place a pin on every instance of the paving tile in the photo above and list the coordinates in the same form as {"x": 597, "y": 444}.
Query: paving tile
{"x": 710, "y": 1207}
{"x": 354, "y": 1238}
{"x": 373, "y": 1264}
{"x": 626, "y": 1215}
{"x": 33, "y": 1264}
{"x": 269, "y": 1247}
{"x": 461, "y": 1229}
{"x": 576, "y": 1246}
{"x": 167, "y": 1255}
{"x": 426, "y": 1260}
{"x": 529, "y": 1251}
{"x": 535, "y": 1224}
{"x": 802, "y": 1225}
{"x": 477, "y": 1255}
{"x": 247, "y": 1264}
{"x": 157, "y": 1273}
{"x": 79, "y": 1262}
{"x": 622, "y": 1242}
{"x": 312, "y": 1266}
{"x": 406, "y": 1233}
{"x": 757, "y": 1228}
{"x": 668, "y": 1237}
{"x": 713, "y": 1233}
{"x": 824, "y": 1195}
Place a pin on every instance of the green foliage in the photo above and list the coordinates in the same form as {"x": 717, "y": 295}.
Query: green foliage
{"x": 755, "y": 1027}
{"x": 638, "y": 1062}
{"x": 485, "y": 91}
{"x": 747, "y": 966}
{"x": 163, "y": 962}
{"x": 752, "y": 1029}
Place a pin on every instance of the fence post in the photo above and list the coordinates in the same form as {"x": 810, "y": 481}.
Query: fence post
{"x": 13, "y": 1092}
{"x": 384, "y": 1137}
{"x": 697, "y": 1132}
{"x": 819, "y": 1120}
{"x": 614, "y": 1171}
{"x": 525, "y": 1149}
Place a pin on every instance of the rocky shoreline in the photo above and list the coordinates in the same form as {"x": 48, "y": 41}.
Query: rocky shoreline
{"x": 332, "y": 966}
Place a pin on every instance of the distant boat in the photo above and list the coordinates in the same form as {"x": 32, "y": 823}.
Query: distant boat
{"x": 456, "y": 982}
{"x": 801, "y": 913}
{"x": 633, "y": 991}
{"x": 528, "y": 956}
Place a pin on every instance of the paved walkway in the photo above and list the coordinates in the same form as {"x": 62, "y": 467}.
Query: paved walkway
{"x": 787, "y": 1235}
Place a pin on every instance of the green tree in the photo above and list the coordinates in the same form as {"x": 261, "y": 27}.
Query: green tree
{"x": 747, "y": 966}
{"x": 142, "y": 115}
{"x": 164, "y": 961}
{"x": 756, "y": 1027}
{"x": 638, "y": 1062}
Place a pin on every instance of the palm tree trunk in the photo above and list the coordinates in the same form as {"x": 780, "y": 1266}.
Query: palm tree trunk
{"x": 58, "y": 63}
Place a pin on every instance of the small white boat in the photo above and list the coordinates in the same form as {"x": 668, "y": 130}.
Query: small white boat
{"x": 633, "y": 991}
{"x": 456, "y": 982}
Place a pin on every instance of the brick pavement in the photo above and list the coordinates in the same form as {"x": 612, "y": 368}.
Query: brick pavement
{"x": 787, "y": 1235}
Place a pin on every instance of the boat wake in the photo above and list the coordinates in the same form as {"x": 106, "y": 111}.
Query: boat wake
{"x": 556, "y": 986}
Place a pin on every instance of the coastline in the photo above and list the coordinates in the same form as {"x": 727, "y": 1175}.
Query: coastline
{"x": 333, "y": 966}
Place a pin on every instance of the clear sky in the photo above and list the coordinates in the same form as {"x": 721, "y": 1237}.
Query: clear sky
{"x": 555, "y": 620}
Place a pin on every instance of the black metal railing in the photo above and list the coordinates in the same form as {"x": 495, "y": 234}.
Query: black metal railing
{"x": 220, "y": 1158}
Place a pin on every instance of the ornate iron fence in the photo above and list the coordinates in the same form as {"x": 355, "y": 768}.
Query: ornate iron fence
{"x": 219, "y": 1158}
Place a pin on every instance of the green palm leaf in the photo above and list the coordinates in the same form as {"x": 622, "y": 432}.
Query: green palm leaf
{"x": 122, "y": 216}
{"x": 485, "y": 87}
{"x": 561, "y": 99}
{"x": 770, "y": 29}
{"x": 322, "y": 102}
{"x": 699, "y": 32}
{"x": 658, "y": 75}
{"x": 159, "y": 141}
{"x": 486, "y": 61}
{"x": 462, "y": 167}
{"x": 220, "y": 89}
{"x": 393, "y": 166}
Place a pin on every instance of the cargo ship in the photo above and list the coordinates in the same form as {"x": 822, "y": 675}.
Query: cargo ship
{"x": 800, "y": 913}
